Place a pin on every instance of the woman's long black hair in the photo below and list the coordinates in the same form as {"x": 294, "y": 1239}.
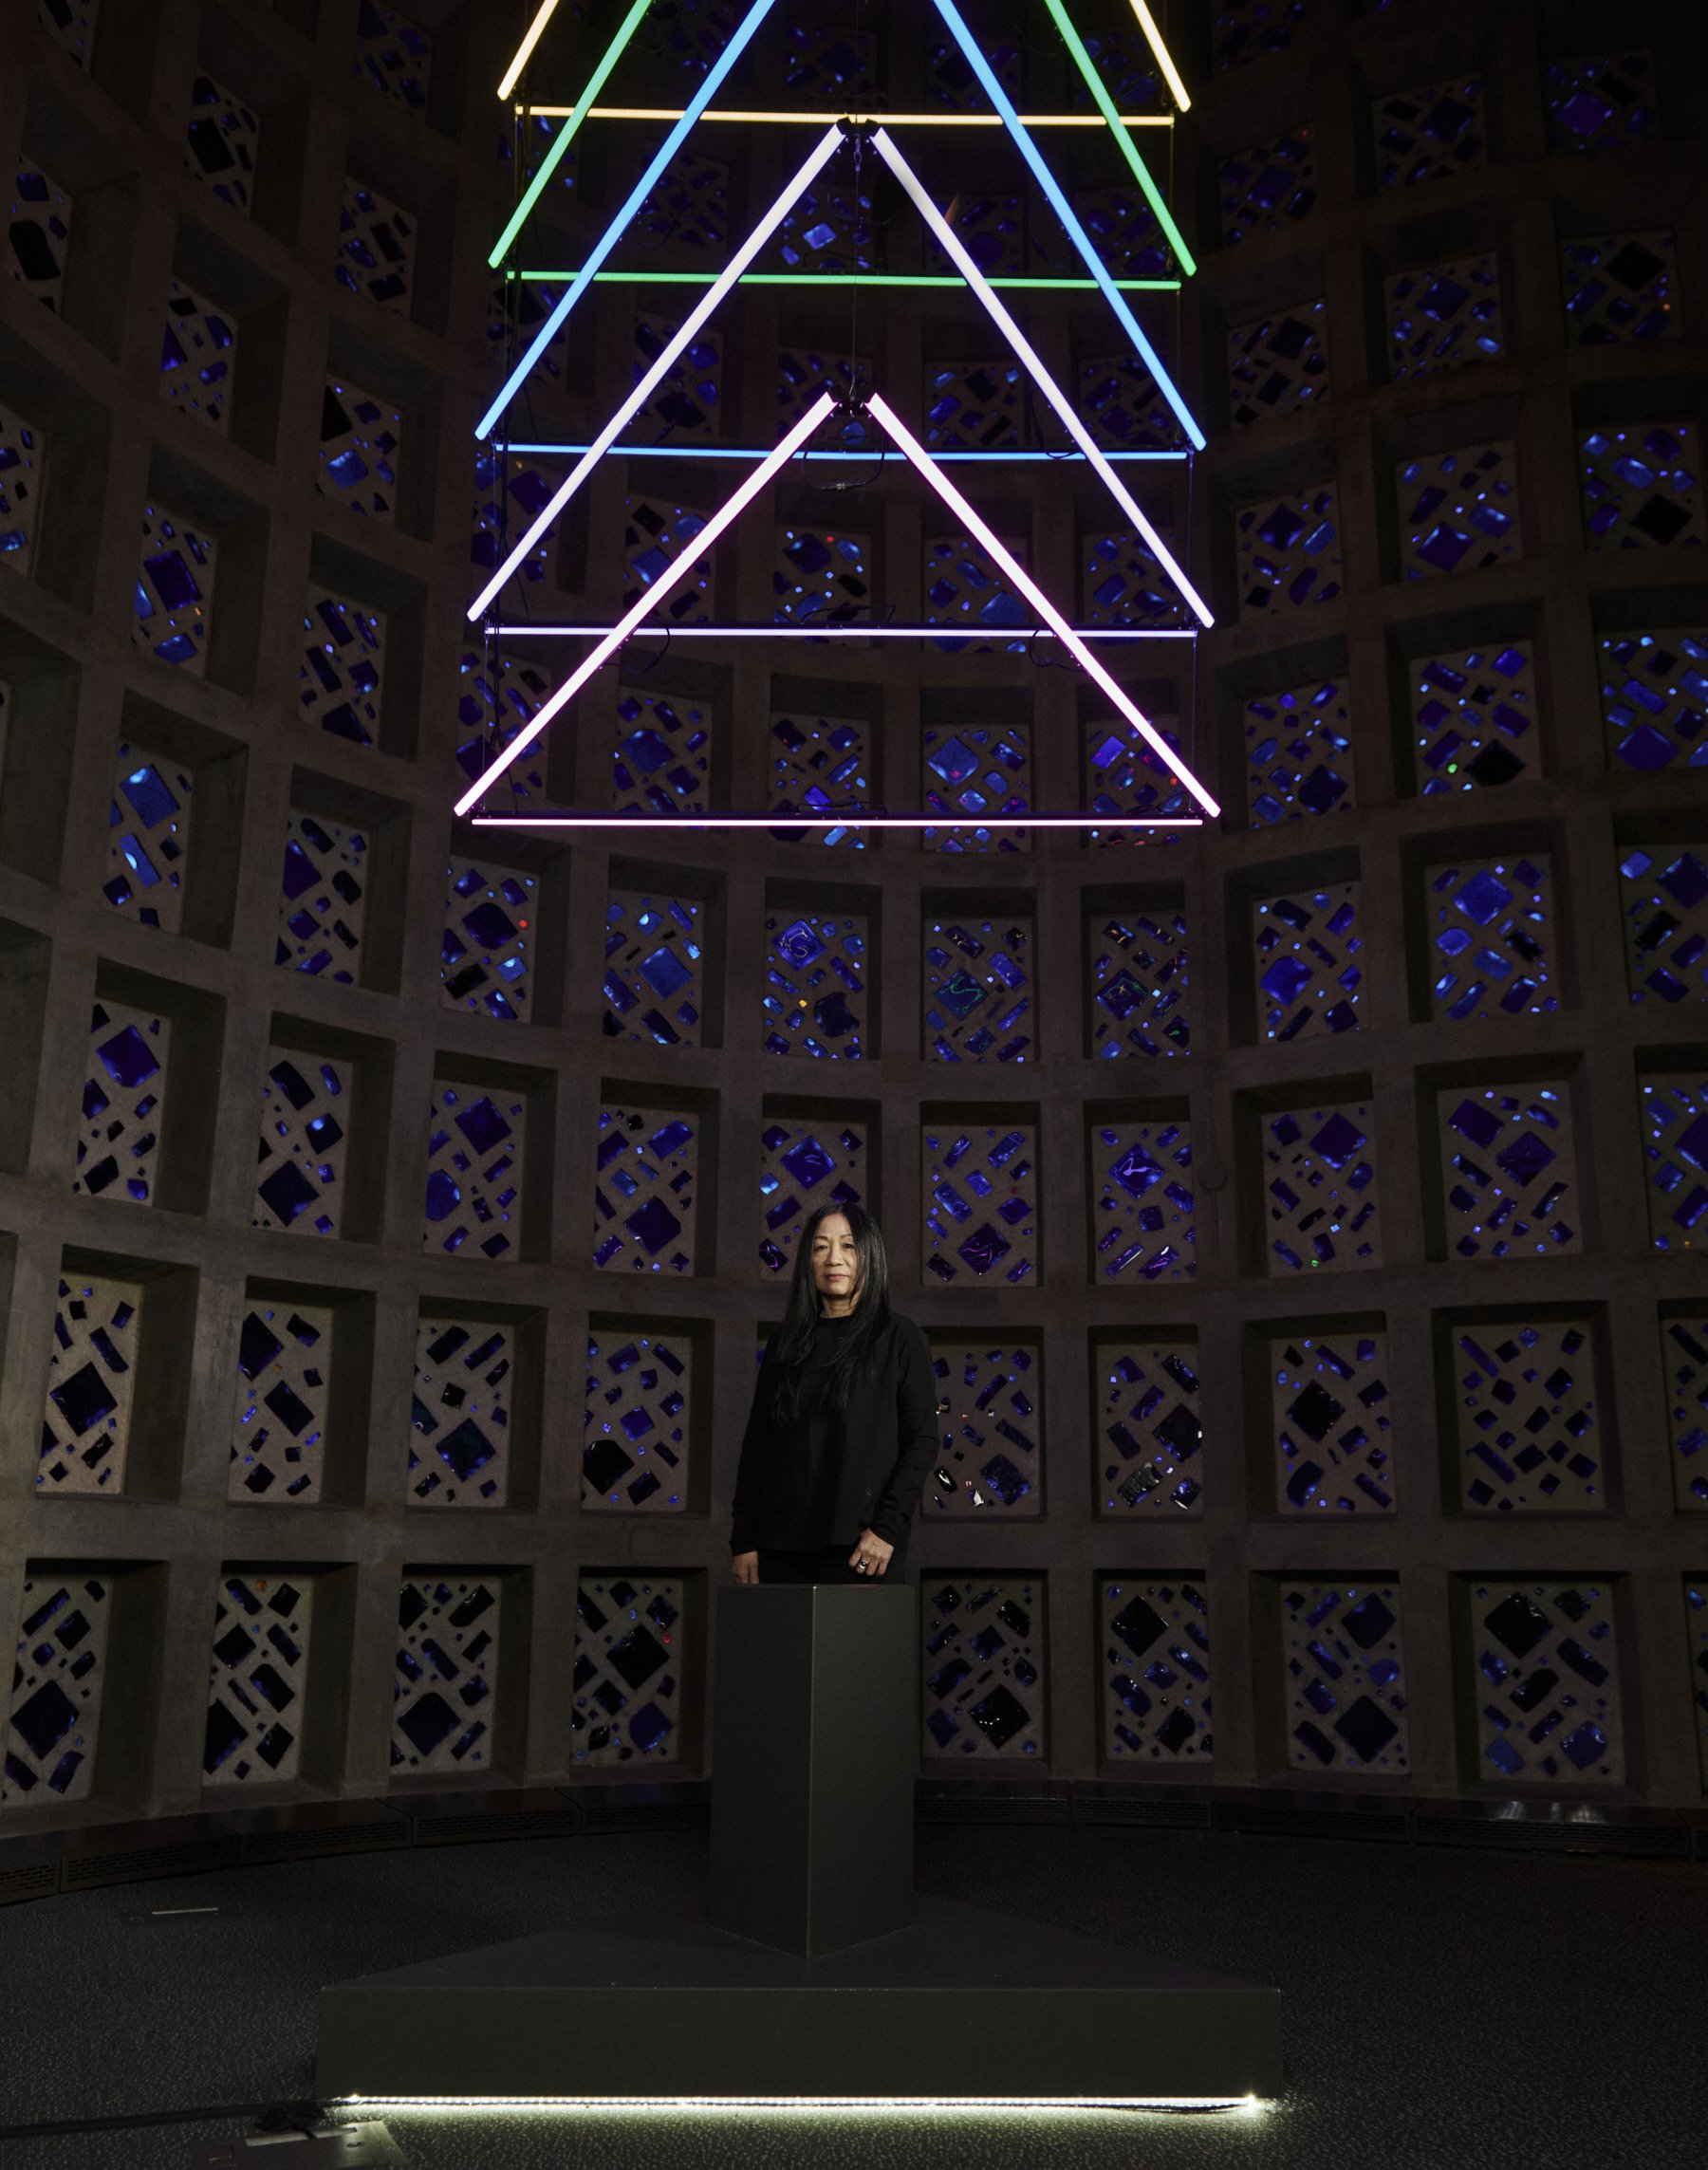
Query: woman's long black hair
{"x": 792, "y": 1342}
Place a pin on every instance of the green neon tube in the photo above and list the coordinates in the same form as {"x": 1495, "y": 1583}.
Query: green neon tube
{"x": 1105, "y": 106}
{"x": 566, "y": 134}
{"x": 845, "y": 279}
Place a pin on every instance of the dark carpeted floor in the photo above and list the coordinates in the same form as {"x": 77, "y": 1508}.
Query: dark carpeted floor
{"x": 1480, "y": 2011}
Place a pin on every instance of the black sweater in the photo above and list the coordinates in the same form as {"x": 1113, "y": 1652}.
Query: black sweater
{"x": 870, "y": 1467}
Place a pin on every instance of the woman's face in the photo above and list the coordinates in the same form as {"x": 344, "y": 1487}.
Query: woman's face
{"x": 835, "y": 1262}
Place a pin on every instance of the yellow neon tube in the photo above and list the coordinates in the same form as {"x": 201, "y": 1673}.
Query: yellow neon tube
{"x": 525, "y": 50}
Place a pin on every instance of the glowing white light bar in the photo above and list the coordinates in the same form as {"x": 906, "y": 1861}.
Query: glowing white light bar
{"x": 851, "y": 818}
{"x": 1064, "y": 211}
{"x": 1008, "y": 563}
{"x": 637, "y": 196}
{"x": 669, "y": 578}
{"x": 668, "y": 355}
{"x": 525, "y": 50}
{"x": 947, "y": 239}
{"x": 852, "y": 630}
{"x": 1153, "y": 38}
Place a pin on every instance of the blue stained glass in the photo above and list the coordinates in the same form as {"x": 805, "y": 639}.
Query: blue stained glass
{"x": 953, "y": 761}
{"x": 664, "y": 972}
{"x": 150, "y": 798}
{"x": 646, "y": 749}
{"x": 127, "y": 1058}
{"x": 800, "y": 943}
{"x": 1285, "y": 979}
{"x": 983, "y": 1249}
{"x": 809, "y": 1162}
{"x": 653, "y": 1225}
{"x": 143, "y": 867}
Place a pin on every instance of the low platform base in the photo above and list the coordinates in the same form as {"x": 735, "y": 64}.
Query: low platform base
{"x": 962, "y": 2005}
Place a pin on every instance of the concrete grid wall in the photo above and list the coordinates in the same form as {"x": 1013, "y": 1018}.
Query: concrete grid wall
{"x": 86, "y": 376}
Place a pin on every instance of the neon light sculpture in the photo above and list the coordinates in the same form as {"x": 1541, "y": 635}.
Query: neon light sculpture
{"x": 864, "y": 414}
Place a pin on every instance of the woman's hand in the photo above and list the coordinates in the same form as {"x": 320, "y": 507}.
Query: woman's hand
{"x": 747, "y": 1566}
{"x": 870, "y": 1555}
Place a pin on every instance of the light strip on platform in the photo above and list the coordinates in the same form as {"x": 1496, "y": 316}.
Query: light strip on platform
{"x": 965, "y": 2105}
{"x": 679, "y": 341}
{"x": 1007, "y": 562}
{"x": 1159, "y": 53}
{"x": 637, "y": 196}
{"x": 578, "y": 113}
{"x": 729, "y": 512}
{"x": 1066, "y": 414}
{"x": 1064, "y": 211}
{"x": 1105, "y": 106}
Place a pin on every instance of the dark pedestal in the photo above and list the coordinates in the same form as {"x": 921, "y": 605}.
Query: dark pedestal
{"x": 816, "y": 1973}
{"x": 816, "y": 1711}
{"x": 962, "y": 2005}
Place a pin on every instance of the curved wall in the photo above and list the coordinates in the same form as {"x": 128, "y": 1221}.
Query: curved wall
{"x": 1443, "y": 955}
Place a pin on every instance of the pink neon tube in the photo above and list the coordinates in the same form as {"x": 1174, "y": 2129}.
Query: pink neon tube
{"x": 788, "y": 818}
{"x": 1036, "y": 596}
{"x": 729, "y": 510}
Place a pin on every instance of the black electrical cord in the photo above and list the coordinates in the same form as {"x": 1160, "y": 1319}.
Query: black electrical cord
{"x": 283, "y": 2117}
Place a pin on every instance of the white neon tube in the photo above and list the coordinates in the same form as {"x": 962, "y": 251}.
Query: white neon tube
{"x": 729, "y": 510}
{"x": 828, "y": 144}
{"x": 1004, "y": 558}
{"x": 637, "y": 196}
{"x": 947, "y": 239}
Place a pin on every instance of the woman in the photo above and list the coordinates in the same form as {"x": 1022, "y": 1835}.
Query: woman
{"x": 843, "y": 1424}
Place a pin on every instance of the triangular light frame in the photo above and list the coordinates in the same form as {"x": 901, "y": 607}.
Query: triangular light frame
{"x": 729, "y": 512}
